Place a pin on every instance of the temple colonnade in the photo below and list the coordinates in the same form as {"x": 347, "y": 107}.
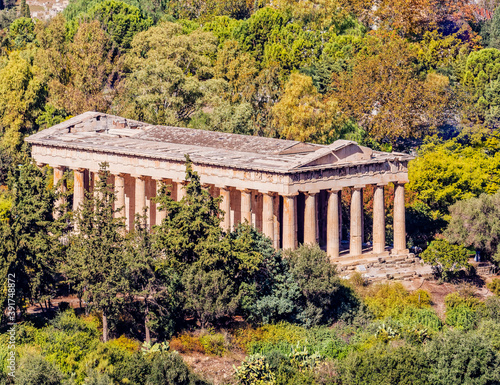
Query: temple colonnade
{"x": 287, "y": 219}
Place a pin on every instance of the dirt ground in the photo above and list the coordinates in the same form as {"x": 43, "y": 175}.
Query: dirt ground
{"x": 218, "y": 370}
{"x": 439, "y": 290}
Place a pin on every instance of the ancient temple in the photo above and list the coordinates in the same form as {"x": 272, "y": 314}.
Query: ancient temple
{"x": 289, "y": 190}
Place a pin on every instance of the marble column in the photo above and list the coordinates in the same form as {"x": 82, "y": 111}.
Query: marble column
{"x": 289, "y": 221}
{"x": 356, "y": 246}
{"x": 61, "y": 189}
{"x": 276, "y": 217}
{"x": 140, "y": 194}
{"x": 181, "y": 190}
{"x": 246, "y": 206}
{"x": 78, "y": 188}
{"x": 378, "y": 220}
{"x": 333, "y": 224}
{"x": 399, "y": 220}
{"x": 120, "y": 196}
{"x": 160, "y": 214}
{"x": 225, "y": 205}
{"x": 95, "y": 181}
{"x": 310, "y": 215}
{"x": 268, "y": 215}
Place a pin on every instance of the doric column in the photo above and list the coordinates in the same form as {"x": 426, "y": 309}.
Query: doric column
{"x": 225, "y": 205}
{"x": 246, "y": 206}
{"x": 140, "y": 194}
{"x": 181, "y": 190}
{"x": 160, "y": 214}
{"x": 58, "y": 176}
{"x": 268, "y": 215}
{"x": 289, "y": 221}
{"x": 399, "y": 220}
{"x": 310, "y": 215}
{"x": 356, "y": 246}
{"x": 120, "y": 196}
{"x": 95, "y": 181}
{"x": 78, "y": 188}
{"x": 333, "y": 224}
{"x": 378, "y": 220}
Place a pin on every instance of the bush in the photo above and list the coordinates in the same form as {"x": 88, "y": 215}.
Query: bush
{"x": 36, "y": 370}
{"x": 448, "y": 259}
{"x": 494, "y": 286}
{"x": 462, "y": 358}
{"x": 255, "y": 370}
{"x": 187, "y": 343}
{"x": 384, "y": 365}
{"x": 462, "y": 317}
{"x": 170, "y": 369}
{"x": 391, "y": 300}
{"x": 317, "y": 279}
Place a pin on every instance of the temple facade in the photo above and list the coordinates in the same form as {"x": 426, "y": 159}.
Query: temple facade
{"x": 289, "y": 190}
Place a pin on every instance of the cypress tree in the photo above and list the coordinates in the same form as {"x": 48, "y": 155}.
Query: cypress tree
{"x": 95, "y": 263}
{"x": 27, "y": 250}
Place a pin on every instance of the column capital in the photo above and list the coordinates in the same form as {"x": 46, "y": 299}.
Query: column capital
{"x": 313, "y": 192}
{"x": 382, "y": 184}
{"x": 289, "y": 195}
{"x": 335, "y": 190}
{"x": 141, "y": 177}
{"x": 246, "y": 190}
{"x": 120, "y": 174}
{"x": 358, "y": 186}
{"x": 270, "y": 193}
{"x": 78, "y": 169}
{"x": 58, "y": 167}
{"x": 223, "y": 187}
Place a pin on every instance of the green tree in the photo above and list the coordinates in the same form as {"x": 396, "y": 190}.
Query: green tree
{"x": 24, "y": 9}
{"x": 83, "y": 77}
{"x": 481, "y": 78}
{"x": 476, "y": 222}
{"x": 445, "y": 257}
{"x": 22, "y": 32}
{"x": 95, "y": 261}
{"x": 21, "y": 100}
{"x": 446, "y": 172}
{"x": 303, "y": 114}
{"x": 165, "y": 70}
{"x": 155, "y": 285}
{"x": 28, "y": 250}
{"x": 120, "y": 20}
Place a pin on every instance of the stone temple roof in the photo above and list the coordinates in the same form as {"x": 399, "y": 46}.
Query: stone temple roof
{"x": 99, "y": 132}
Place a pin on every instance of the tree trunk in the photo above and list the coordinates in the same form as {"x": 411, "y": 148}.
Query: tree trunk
{"x": 104, "y": 327}
{"x": 146, "y": 320}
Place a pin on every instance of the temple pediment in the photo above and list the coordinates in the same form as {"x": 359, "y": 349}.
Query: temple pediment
{"x": 340, "y": 151}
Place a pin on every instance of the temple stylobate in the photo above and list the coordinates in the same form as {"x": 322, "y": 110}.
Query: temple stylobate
{"x": 289, "y": 190}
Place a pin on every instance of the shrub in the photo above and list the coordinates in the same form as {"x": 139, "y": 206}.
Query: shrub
{"x": 255, "y": 370}
{"x": 462, "y": 317}
{"x": 456, "y": 357}
{"x": 445, "y": 257}
{"x": 382, "y": 364}
{"x": 317, "y": 279}
{"x": 214, "y": 344}
{"x": 494, "y": 286}
{"x": 36, "y": 370}
{"x": 170, "y": 369}
{"x": 391, "y": 300}
{"x": 187, "y": 343}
